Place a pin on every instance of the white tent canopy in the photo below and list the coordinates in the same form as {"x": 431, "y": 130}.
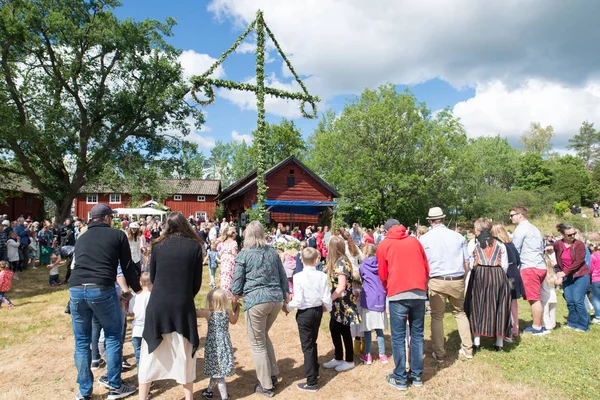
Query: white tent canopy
{"x": 140, "y": 211}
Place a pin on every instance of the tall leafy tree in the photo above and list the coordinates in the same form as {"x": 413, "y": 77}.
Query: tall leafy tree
{"x": 534, "y": 172}
{"x": 388, "y": 156}
{"x": 219, "y": 162}
{"x": 81, "y": 89}
{"x": 586, "y": 144}
{"x": 241, "y": 160}
{"x": 537, "y": 139}
{"x": 282, "y": 140}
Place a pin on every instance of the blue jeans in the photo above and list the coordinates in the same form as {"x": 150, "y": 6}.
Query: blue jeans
{"x": 574, "y": 293}
{"x": 380, "y": 341}
{"x": 212, "y": 272}
{"x": 136, "y": 342}
{"x": 415, "y": 311}
{"x": 596, "y": 298}
{"x": 96, "y": 328}
{"x": 103, "y": 303}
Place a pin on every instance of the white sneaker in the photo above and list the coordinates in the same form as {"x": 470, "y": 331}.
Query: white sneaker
{"x": 596, "y": 321}
{"x": 332, "y": 364}
{"x": 344, "y": 366}
{"x": 462, "y": 352}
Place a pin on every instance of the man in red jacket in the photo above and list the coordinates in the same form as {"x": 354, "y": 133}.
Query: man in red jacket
{"x": 403, "y": 270}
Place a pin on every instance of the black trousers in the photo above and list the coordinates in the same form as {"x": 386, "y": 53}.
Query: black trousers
{"x": 338, "y": 332}
{"x": 309, "y": 321}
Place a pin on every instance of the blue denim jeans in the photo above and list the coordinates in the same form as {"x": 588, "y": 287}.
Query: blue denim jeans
{"x": 136, "y": 342}
{"x": 574, "y": 293}
{"x": 96, "y": 328}
{"x": 596, "y": 298}
{"x": 415, "y": 311}
{"x": 380, "y": 341}
{"x": 212, "y": 272}
{"x": 103, "y": 303}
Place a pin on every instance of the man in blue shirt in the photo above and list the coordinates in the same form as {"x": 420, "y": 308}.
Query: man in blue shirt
{"x": 24, "y": 233}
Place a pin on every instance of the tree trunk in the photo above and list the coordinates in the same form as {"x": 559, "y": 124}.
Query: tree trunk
{"x": 63, "y": 209}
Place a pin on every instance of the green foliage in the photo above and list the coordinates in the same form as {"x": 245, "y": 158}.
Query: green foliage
{"x": 538, "y": 139}
{"x": 81, "y": 90}
{"x": 583, "y": 224}
{"x": 586, "y": 144}
{"x": 571, "y": 180}
{"x": 205, "y": 83}
{"x": 219, "y": 212}
{"x": 533, "y": 172}
{"x": 282, "y": 140}
{"x": 560, "y": 208}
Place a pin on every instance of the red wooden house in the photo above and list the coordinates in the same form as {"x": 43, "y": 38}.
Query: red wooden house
{"x": 296, "y": 196}
{"x": 194, "y": 197}
{"x": 20, "y": 198}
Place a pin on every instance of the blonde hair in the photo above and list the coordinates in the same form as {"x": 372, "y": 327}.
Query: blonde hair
{"x": 483, "y": 224}
{"x": 369, "y": 250}
{"x": 550, "y": 275}
{"x": 145, "y": 280}
{"x": 337, "y": 251}
{"x": 217, "y": 300}
{"x": 4, "y": 265}
{"x": 254, "y": 235}
{"x": 352, "y": 247}
{"x": 422, "y": 230}
{"x": 310, "y": 256}
{"x": 499, "y": 231}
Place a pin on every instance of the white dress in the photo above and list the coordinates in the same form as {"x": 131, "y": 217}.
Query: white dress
{"x": 172, "y": 359}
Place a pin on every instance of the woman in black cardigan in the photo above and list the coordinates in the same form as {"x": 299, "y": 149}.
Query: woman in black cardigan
{"x": 170, "y": 337}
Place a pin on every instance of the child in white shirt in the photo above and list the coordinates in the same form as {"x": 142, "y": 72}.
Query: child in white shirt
{"x": 53, "y": 279}
{"x": 312, "y": 296}
{"x": 137, "y": 307}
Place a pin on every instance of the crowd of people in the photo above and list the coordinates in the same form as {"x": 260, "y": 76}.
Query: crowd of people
{"x": 389, "y": 277}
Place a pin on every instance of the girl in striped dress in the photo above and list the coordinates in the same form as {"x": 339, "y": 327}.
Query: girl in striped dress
{"x": 487, "y": 302}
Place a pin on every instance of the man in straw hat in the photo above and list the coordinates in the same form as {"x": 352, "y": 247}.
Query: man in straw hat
{"x": 448, "y": 263}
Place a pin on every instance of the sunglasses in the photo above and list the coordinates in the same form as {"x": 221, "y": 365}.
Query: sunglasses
{"x": 570, "y": 235}
{"x": 512, "y": 215}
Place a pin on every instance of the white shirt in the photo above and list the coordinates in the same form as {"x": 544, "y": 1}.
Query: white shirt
{"x": 446, "y": 251}
{"x": 212, "y": 234}
{"x": 311, "y": 289}
{"x": 136, "y": 247}
{"x": 137, "y": 306}
{"x": 12, "y": 250}
{"x": 530, "y": 245}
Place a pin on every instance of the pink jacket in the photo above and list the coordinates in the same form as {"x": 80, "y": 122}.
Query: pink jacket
{"x": 595, "y": 267}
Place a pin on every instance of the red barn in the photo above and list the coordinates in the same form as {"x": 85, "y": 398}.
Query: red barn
{"x": 189, "y": 196}
{"x": 21, "y": 199}
{"x": 295, "y": 195}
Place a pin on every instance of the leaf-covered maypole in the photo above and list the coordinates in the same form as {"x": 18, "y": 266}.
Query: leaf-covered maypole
{"x": 206, "y": 84}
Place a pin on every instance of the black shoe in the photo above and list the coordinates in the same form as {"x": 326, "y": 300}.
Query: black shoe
{"x": 207, "y": 393}
{"x": 306, "y": 387}
{"x": 103, "y": 381}
{"x": 263, "y": 391}
{"x": 416, "y": 382}
{"x": 68, "y": 308}
{"x": 121, "y": 392}
{"x": 79, "y": 396}
{"x": 497, "y": 348}
{"x": 476, "y": 349}
{"x": 97, "y": 364}
{"x": 274, "y": 381}
{"x": 125, "y": 365}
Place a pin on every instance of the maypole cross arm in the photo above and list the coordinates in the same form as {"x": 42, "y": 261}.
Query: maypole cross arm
{"x": 206, "y": 84}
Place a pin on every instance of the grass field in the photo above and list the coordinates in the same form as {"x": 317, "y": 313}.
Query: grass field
{"x": 36, "y": 353}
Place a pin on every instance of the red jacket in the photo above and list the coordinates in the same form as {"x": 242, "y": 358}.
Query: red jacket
{"x": 578, "y": 267}
{"x": 402, "y": 262}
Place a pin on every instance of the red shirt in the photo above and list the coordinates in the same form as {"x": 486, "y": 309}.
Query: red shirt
{"x": 369, "y": 239}
{"x": 6, "y": 277}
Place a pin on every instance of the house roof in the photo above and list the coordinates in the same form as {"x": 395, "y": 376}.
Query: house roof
{"x": 247, "y": 182}
{"x": 12, "y": 183}
{"x": 179, "y": 186}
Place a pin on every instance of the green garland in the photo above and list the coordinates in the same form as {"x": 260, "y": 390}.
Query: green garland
{"x": 206, "y": 84}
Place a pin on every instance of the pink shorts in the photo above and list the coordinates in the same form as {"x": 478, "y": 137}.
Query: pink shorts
{"x": 533, "y": 279}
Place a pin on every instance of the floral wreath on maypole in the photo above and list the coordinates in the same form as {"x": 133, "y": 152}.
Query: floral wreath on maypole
{"x": 206, "y": 84}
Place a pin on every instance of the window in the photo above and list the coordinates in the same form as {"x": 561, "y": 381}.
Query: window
{"x": 291, "y": 181}
{"x": 291, "y": 172}
{"x": 177, "y": 197}
{"x": 201, "y": 215}
{"x": 201, "y": 198}
{"x": 89, "y": 216}
{"x": 115, "y": 198}
{"x": 29, "y": 200}
{"x": 92, "y": 199}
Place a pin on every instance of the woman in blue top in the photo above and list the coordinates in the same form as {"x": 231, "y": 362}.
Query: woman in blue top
{"x": 261, "y": 281}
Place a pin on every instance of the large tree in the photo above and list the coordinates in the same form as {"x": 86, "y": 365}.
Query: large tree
{"x": 388, "y": 156}
{"x": 80, "y": 90}
{"x": 586, "y": 144}
{"x": 537, "y": 139}
{"x": 282, "y": 140}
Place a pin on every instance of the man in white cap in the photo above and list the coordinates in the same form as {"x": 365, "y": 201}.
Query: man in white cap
{"x": 448, "y": 264}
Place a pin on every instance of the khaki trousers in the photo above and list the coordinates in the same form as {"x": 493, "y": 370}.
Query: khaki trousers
{"x": 259, "y": 319}
{"x": 454, "y": 291}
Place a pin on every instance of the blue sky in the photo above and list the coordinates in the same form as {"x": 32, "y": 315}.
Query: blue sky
{"x": 498, "y": 65}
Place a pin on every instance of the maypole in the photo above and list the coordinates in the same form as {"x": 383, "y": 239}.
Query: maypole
{"x": 203, "y": 82}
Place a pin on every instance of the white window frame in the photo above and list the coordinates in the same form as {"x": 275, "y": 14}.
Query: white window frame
{"x": 89, "y": 215}
{"x": 201, "y": 215}
{"x": 201, "y": 198}
{"x": 110, "y": 198}
{"x": 177, "y": 197}
{"x": 87, "y": 198}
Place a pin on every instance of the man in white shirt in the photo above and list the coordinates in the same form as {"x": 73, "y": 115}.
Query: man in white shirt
{"x": 448, "y": 259}
{"x": 530, "y": 245}
{"x": 212, "y": 233}
{"x": 311, "y": 296}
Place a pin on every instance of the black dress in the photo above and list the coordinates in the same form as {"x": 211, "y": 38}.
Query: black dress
{"x": 514, "y": 271}
{"x": 176, "y": 275}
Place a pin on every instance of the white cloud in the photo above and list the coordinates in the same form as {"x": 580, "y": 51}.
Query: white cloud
{"x": 280, "y": 107}
{"x": 195, "y": 136}
{"x": 238, "y": 137}
{"x": 246, "y": 47}
{"x": 508, "y": 111}
{"x": 348, "y": 45}
{"x": 196, "y": 64}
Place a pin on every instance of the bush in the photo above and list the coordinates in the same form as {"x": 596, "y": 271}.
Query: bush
{"x": 560, "y": 208}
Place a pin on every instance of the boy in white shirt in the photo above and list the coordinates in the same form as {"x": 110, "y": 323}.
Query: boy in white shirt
{"x": 311, "y": 297}
{"x": 137, "y": 307}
